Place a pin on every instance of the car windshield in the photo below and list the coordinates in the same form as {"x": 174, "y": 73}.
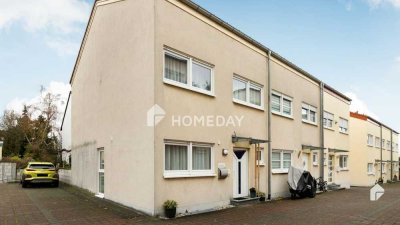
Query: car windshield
{"x": 41, "y": 166}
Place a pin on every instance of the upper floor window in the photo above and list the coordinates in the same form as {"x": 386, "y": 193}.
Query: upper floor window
{"x": 370, "y": 140}
{"x": 328, "y": 120}
{"x": 281, "y": 104}
{"x": 343, "y": 125}
{"x": 377, "y": 142}
{"x": 247, "y": 92}
{"x": 309, "y": 113}
{"x": 186, "y": 72}
{"x": 388, "y": 145}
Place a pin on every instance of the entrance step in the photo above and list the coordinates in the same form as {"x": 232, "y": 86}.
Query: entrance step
{"x": 334, "y": 187}
{"x": 244, "y": 201}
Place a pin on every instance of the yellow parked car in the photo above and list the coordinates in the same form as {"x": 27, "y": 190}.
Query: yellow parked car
{"x": 39, "y": 172}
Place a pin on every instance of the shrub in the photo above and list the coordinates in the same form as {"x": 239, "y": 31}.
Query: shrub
{"x": 170, "y": 204}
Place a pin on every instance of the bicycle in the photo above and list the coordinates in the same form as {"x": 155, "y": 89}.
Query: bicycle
{"x": 322, "y": 185}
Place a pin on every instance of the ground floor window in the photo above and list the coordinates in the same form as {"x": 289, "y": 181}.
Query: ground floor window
{"x": 281, "y": 161}
{"x": 315, "y": 158}
{"x": 370, "y": 168}
{"x": 183, "y": 159}
{"x": 383, "y": 167}
{"x": 260, "y": 156}
{"x": 343, "y": 161}
{"x": 101, "y": 171}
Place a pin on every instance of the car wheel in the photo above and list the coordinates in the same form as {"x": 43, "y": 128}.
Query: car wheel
{"x": 56, "y": 184}
{"x": 24, "y": 184}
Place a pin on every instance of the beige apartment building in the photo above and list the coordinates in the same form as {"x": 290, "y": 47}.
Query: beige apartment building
{"x": 170, "y": 102}
{"x": 375, "y": 146}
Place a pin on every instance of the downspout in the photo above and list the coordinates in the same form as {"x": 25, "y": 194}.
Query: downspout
{"x": 321, "y": 127}
{"x": 391, "y": 154}
{"x": 381, "y": 155}
{"x": 269, "y": 127}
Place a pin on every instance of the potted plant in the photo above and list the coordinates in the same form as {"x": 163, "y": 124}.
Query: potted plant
{"x": 253, "y": 193}
{"x": 261, "y": 195}
{"x": 170, "y": 208}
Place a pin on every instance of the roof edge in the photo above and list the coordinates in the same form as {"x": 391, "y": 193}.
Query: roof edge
{"x": 366, "y": 117}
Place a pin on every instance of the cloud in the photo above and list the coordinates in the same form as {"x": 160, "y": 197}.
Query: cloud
{"x": 63, "y": 47}
{"x": 56, "y": 88}
{"x": 358, "y": 105}
{"x": 378, "y": 3}
{"x": 35, "y": 15}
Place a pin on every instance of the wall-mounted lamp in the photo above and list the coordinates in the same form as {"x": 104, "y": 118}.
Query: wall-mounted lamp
{"x": 225, "y": 152}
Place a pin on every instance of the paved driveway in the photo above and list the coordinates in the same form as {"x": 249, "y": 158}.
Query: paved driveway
{"x": 67, "y": 205}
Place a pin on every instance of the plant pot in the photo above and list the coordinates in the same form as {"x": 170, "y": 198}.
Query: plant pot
{"x": 253, "y": 194}
{"x": 262, "y": 199}
{"x": 170, "y": 213}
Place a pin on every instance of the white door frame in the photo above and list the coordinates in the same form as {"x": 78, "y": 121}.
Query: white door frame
{"x": 243, "y": 189}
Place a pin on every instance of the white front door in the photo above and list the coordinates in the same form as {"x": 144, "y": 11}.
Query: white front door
{"x": 304, "y": 158}
{"x": 330, "y": 169}
{"x": 240, "y": 173}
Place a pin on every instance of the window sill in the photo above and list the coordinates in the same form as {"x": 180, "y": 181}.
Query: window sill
{"x": 344, "y": 170}
{"x": 248, "y": 104}
{"x": 371, "y": 174}
{"x": 168, "y": 176}
{"x": 187, "y": 87}
{"x": 280, "y": 171}
{"x": 310, "y": 123}
{"x": 261, "y": 164}
{"x": 283, "y": 115}
{"x": 328, "y": 128}
{"x": 315, "y": 164}
{"x": 99, "y": 195}
{"x": 345, "y": 133}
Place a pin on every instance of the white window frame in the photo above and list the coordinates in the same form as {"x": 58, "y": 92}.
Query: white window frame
{"x": 282, "y": 170}
{"x": 281, "y": 98}
{"x": 100, "y": 150}
{"x": 189, "y": 172}
{"x": 370, "y": 140}
{"x": 344, "y": 130}
{"x": 372, "y": 172}
{"x": 383, "y": 168}
{"x": 388, "y": 145}
{"x": 315, "y": 158}
{"x": 190, "y": 62}
{"x": 248, "y": 85}
{"x": 261, "y": 160}
{"x": 377, "y": 142}
{"x": 326, "y": 119}
{"x": 344, "y": 159}
{"x": 309, "y": 108}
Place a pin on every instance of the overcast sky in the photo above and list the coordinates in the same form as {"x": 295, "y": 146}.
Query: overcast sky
{"x": 353, "y": 45}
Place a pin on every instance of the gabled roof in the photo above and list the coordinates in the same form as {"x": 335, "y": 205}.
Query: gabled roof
{"x": 232, "y": 29}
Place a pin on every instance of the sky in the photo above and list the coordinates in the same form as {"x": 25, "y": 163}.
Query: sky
{"x": 352, "y": 45}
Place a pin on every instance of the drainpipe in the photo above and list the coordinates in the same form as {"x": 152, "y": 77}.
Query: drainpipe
{"x": 381, "y": 155}
{"x": 391, "y": 154}
{"x": 269, "y": 127}
{"x": 321, "y": 127}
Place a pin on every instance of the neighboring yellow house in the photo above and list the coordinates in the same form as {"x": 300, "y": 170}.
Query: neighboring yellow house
{"x": 374, "y": 148}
